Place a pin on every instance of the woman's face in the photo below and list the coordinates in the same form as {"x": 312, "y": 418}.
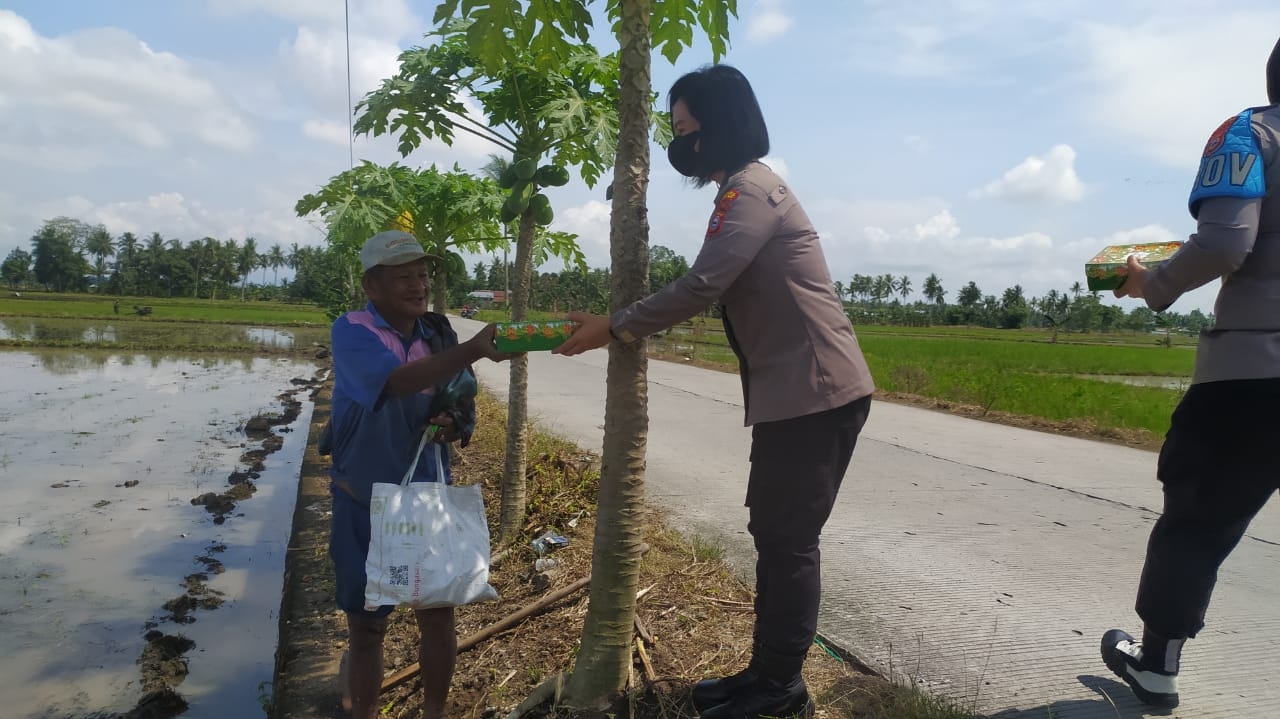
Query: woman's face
{"x": 682, "y": 122}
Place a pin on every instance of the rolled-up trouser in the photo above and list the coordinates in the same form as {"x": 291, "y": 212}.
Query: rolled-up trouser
{"x": 796, "y": 469}
{"x": 1220, "y": 463}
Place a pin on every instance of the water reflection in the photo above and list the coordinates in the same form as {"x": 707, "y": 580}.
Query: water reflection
{"x": 64, "y": 362}
{"x": 270, "y": 337}
{"x": 1178, "y": 383}
{"x": 94, "y": 334}
{"x": 100, "y": 455}
{"x": 63, "y": 331}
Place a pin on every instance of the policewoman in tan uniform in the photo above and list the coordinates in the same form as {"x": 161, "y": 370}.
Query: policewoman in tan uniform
{"x": 806, "y": 386}
{"x": 1218, "y": 465}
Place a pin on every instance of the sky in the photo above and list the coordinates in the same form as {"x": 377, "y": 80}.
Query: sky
{"x": 981, "y": 140}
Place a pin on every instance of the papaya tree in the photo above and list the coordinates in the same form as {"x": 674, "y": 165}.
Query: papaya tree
{"x": 449, "y": 212}
{"x": 549, "y": 116}
{"x": 502, "y": 31}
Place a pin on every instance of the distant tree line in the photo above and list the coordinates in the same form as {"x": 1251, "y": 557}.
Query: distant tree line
{"x": 68, "y": 255}
{"x": 886, "y": 299}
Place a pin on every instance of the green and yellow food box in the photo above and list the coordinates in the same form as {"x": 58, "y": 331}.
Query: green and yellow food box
{"x": 1109, "y": 268}
{"x": 532, "y": 336}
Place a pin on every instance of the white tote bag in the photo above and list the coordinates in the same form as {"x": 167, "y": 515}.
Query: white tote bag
{"x": 429, "y": 542}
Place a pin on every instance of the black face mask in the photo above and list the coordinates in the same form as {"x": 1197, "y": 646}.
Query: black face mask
{"x": 683, "y": 157}
{"x": 1273, "y": 75}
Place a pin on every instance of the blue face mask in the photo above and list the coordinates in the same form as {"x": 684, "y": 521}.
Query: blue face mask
{"x": 683, "y": 157}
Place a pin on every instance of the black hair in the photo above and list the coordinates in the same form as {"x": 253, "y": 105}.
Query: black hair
{"x": 1273, "y": 75}
{"x": 732, "y": 127}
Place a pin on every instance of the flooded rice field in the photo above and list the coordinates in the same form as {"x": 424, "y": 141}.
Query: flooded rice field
{"x": 135, "y": 333}
{"x": 142, "y": 541}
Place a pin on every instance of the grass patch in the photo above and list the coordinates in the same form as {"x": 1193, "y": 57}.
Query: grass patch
{"x": 872, "y": 698}
{"x": 1018, "y": 373}
{"x": 504, "y": 315}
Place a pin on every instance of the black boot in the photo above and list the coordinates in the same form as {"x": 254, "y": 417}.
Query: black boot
{"x": 779, "y": 691}
{"x": 710, "y": 693}
{"x": 766, "y": 698}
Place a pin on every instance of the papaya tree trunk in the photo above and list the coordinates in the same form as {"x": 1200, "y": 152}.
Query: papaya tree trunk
{"x": 440, "y": 290}
{"x": 604, "y": 659}
{"x": 511, "y": 516}
{"x": 440, "y": 280}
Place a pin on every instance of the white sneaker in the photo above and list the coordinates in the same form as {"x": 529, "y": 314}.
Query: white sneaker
{"x": 1123, "y": 656}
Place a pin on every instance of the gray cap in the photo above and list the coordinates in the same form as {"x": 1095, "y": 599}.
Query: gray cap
{"x": 392, "y": 247}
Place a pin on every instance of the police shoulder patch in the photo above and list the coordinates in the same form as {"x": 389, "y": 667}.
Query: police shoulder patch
{"x": 717, "y": 221}
{"x": 1231, "y": 165}
{"x": 722, "y": 209}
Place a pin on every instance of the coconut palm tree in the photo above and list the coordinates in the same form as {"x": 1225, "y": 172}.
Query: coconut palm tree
{"x": 246, "y": 262}
{"x": 275, "y": 258}
{"x": 100, "y": 246}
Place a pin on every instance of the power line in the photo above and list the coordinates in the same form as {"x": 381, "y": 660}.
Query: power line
{"x": 351, "y": 133}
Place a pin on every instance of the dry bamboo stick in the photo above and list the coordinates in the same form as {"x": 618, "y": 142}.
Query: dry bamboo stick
{"x": 503, "y": 624}
{"x": 649, "y": 675}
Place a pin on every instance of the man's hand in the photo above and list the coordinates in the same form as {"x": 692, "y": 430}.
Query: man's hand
{"x": 591, "y": 332}
{"x": 1135, "y": 285}
{"x": 483, "y": 344}
{"x": 448, "y": 431}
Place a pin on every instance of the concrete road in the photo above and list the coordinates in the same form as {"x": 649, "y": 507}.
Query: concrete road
{"x": 981, "y": 560}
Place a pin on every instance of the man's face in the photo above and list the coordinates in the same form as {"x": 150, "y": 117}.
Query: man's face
{"x": 399, "y": 291}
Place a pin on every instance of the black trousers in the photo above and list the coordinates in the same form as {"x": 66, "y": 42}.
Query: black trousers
{"x": 796, "y": 469}
{"x": 1220, "y": 463}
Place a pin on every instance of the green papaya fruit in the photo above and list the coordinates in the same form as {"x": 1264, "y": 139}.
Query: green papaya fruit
{"x": 510, "y": 211}
{"x": 524, "y": 189}
{"x": 526, "y": 168}
{"x": 456, "y": 265}
{"x": 552, "y": 176}
{"x": 508, "y": 178}
{"x": 540, "y": 207}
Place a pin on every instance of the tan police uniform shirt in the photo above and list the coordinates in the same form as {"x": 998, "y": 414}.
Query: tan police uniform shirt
{"x": 762, "y": 260}
{"x": 1237, "y": 240}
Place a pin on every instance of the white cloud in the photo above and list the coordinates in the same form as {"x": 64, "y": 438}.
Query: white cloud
{"x": 1164, "y": 85}
{"x": 767, "y": 22}
{"x": 923, "y": 237}
{"x": 1139, "y": 235}
{"x": 778, "y": 165}
{"x": 590, "y": 222}
{"x": 373, "y": 17}
{"x": 82, "y": 93}
{"x": 175, "y": 216}
{"x": 925, "y": 39}
{"x": 1048, "y": 178}
{"x": 316, "y": 61}
{"x": 53, "y": 156}
{"x": 941, "y": 226}
{"x": 1089, "y": 246}
{"x": 917, "y": 144}
{"x": 465, "y": 144}
{"x": 326, "y": 131}
{"x": 295, "y": 10}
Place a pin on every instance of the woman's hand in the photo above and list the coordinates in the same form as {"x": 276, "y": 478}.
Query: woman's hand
{"x": 590, "y": 332}
{"x": 1135, "y": 284}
